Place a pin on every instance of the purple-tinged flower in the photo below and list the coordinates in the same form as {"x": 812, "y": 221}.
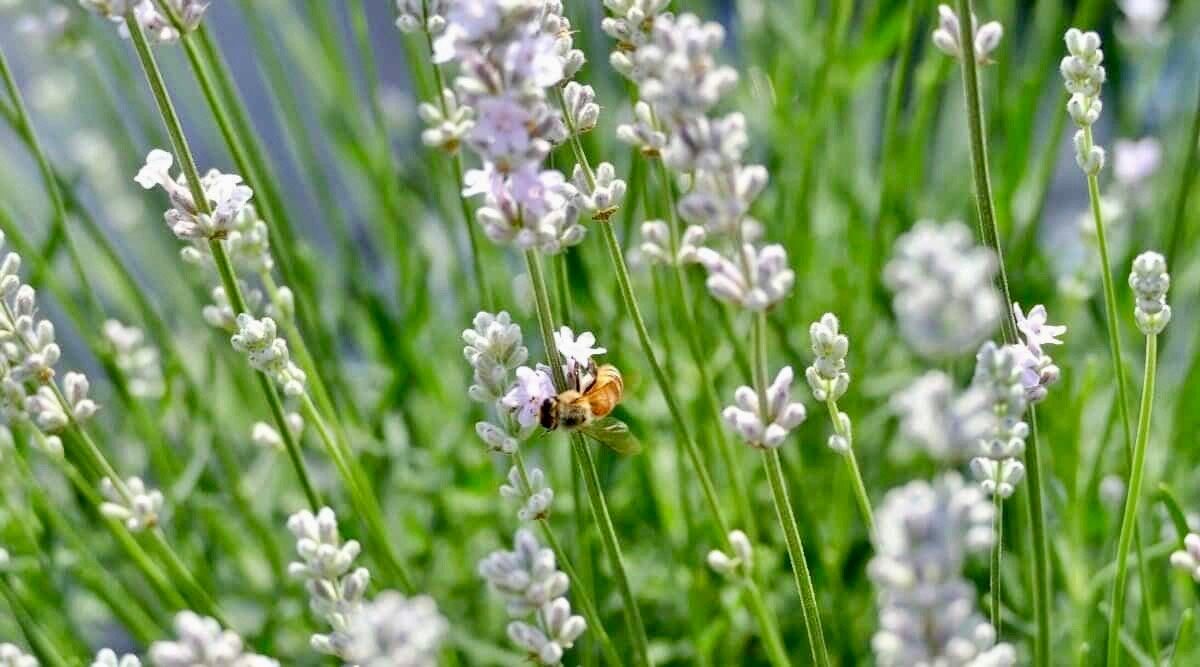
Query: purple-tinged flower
{"x": 1036, "y": 330}
{"x": 526, "y": 396}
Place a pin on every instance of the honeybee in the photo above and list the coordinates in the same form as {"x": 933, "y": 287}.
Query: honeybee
{"x": 589, "y": 411}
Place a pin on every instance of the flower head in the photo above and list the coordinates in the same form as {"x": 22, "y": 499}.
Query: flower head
{"x": 532, "y": 388}
{"x": 1150, "y": 282}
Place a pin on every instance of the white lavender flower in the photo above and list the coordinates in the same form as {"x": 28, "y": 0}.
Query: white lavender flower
{"x": 226, "y": 194}
{"x": 531, "y": 584}
{"x": 738, "y": 563}
{"x": 631, "y": 23}
{"x": 643, "y": 133}
{"x": 535, "y": 497}
{"x": 556, "y": 631}
{"x": 494, "y": 348}
{"x": 1150, "y": 282}
{"x": 998, "y": 374}
{"x": 447, "y": 124}
{"x": 108, "y": 658}
{"x": 268, "y": 353}
{"x": 1143, "y": 18}
{"x": 827, "y": 375}
{"x": 599, "y": 195}
{"x": 946, "y": 35}
{"x": 1188, "y": 559}
{"x": 202, "y": 643}
{"x": 138, "y": 360}
{"x": 335, "y": 588}
{"x": 12, "y": 656}
{"x": 510, "y": 53}
{"x": 1038, "y": 370}
{"x": 135, "y": 505}
{"x": 527, "y": 577}
{"x": 582, "y": 110}
{"x": 1083, "y": 76}
{"x": 395, "y": 631}
{"x": 765, "y": 430}
{"x": 927, "y": 614}
{"x": 943, "y": 294}
{"x": 946, "y": 423}
{"x": 427, "y": 15}
{"x": 764, "y": 282}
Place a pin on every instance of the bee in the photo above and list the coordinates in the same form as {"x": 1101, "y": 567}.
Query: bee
{"x": 590, "y": 411}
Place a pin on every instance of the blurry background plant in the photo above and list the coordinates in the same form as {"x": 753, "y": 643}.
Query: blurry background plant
{"x": 857, "y": 116}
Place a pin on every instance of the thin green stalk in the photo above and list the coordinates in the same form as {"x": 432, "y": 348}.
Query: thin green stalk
{"x": 997, "y": 551}
{"x": 22, "y": 120}
{"x": 629, "y": 299}
{"x": 221, "y": 259}
{"x": 591, "y": 478}
{"x": 1118, "y": 361}
{"x": 1183, "y": 637}
{"x": 1186, "y": 182}
{"x": 1129, "y": 518}
{"x": 986, "y": 210}
{"x": 767, "y": 629}
{"x": 860, "y": 489}
{"x": 800, "y": 574}
{"x": 783, "y": 505}
{"x": 691, "y": 333}
{"x": 364, "y": 500}
{"x": 38, "y": 643}
{"x": 580, "y": 592}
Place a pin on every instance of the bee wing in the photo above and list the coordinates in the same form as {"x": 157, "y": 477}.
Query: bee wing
{"x": 614, "y": 434}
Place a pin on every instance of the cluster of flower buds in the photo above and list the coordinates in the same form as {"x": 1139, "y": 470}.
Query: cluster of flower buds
{"x": 765, "y": 428}
{"x": 510, "y": 52}
{"x": 631, "y": 23}
{"x": 226, "y": 196}
{"x": 943, "y": 293}
{"x": 947, "y": 424}
{"x": 28, "y": 354}
{"x": 927, "y": 610}
{"x": 138, "y": 360}
{"x": 158, "y": 28}
{"x": 397, "y": 631}
{"x": 446, "y": 123}
{"x": 109, "y": 658}
{"x": 756, "y": 279}
{"x": 268, "y": 353}
{"x": 1083, "y": 75}
{"x": 220, "y": 314}
{"x": 740, "y": 563}
{"x": 946, "y": 35}
{"x": 1150, "y": 282}
{"x": 426, "y": 15}
{"x": 529, "y": 580}
{"x": 598, "y": 194}
{"x": 827, "y": 375}
{"x": 1188, "y": 559}
{"x": 582, "y": 111}
{"x": 335, "y": 590}
{"x": 12, "y": 656}
{"x": 534, "y": 494}
{"x": 134, "y": 504}
{"x": 998, "y": 374}
{"x": 201, "y": 641}
{"x": 495, "y": 349}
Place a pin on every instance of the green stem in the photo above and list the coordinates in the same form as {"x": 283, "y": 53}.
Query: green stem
{"x": 22, "y": 121}
{"x": 860, "y": 489}
{"x": 997, "y": 551}
{"x": 38, "y": 643}
{"x": 1115, "y": 353}
{"x": 1186, "y": 182}
{"x": 800, "y": 574}
{"x": 767, "y": 629}
{"x": 224, "y": 267}
{"x": 591, "y": 478}
{"x": 986, "y": 209}
{"x": 1129, "y": 518}
{"x": 362, "y": 497}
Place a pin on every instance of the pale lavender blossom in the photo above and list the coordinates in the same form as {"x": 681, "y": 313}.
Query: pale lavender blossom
{"x": 532, "y": 388}
{"x": 765, "y": 429}
{"x": 1135, "y": 160}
